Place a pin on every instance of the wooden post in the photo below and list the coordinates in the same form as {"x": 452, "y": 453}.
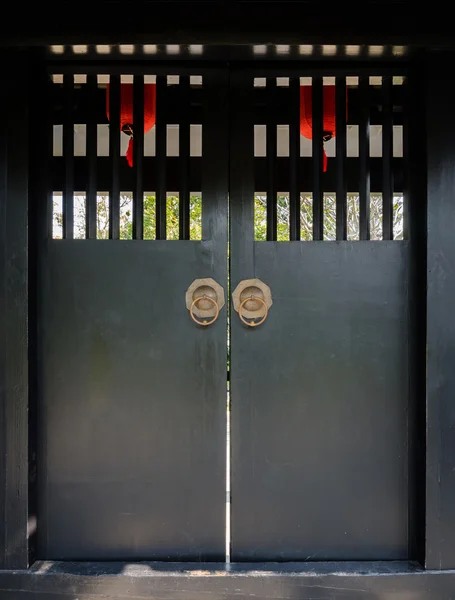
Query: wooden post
{"x": 13, "y": 312}
{"x": 440, "y": 461}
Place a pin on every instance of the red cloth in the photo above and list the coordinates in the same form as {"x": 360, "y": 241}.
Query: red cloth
{"x": 329, "y": 112}
{"x": 126, "y": 112}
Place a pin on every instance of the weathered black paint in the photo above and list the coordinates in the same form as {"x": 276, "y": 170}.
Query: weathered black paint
{"x": 132, "y": 404}
{"x": 132, "y": 391}
{"x": 319, "y": 406}
{"x": 440, "y": 513}
{"x": 40, "y": 213}
{"x": 185, "y": 581}
{"x": 415, "y": 230}
{"x": 322, "y": 387}
{"x": 179, "y": 23}
{"x": 14, "y": 316}
{"x": 154, "y": 172}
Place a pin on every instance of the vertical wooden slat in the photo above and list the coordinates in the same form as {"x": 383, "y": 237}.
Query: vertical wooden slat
{"x": 161, "y": 132}
{"x": 241, "y": 179}
{"x": 184, "y": 157}
{"x": 340, "y": 140}
{"x": 68, "y": 157}
{"x": 318, "y": 149}
{"x": 410, "y": 107}
{"x": 387, "y": 158}
{"x": 138, "y": 154}
{"x": 91, "y": 152}
{"x": 114, "y": 154}
{"x": 415, "y": 230}
{"x": 271, "y": 160}
{"x": 364, "y": 156}
{"x": 294, "y": 159}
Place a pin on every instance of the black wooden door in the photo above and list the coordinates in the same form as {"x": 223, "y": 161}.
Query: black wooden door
{"x": 319, "y": 391}
{"x": 132, "y": 392}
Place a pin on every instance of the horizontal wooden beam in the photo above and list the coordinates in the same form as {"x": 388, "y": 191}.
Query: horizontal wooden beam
{"x": 83, "y": 111}
{"x": 189, "y": 581}
{"x": 215, "y": 22}
{"x": 305, "y": 174}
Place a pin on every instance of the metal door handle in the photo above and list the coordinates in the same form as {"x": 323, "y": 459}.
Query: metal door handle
{"x": 252, "y": 300}
{"x": 204, "y": 299}
{"x": 264, "y": 316}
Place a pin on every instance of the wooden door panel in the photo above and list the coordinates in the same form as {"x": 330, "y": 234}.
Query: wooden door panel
{"x": 319, "y": 406}
{"x": 133, "y": 412}
{"x": 321, "y": 409}
{"x": 132, "y": 392}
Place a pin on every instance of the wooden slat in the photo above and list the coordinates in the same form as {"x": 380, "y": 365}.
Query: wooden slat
{"x": 114, "y": 155}
{"x": 91, "y": 152}
{"x": 68, "y": 155}
{"x": 271, "y": 152}
{"x": 161, "y": 133}
{"x": 415, "y": 230}
{"x": 241, "y": 181}
{"x": 341, "y": 196}
{"x": 294, "y": 157}
{"x": 40, "y": 209}
{"x": 318, "y": 148}
{"x": 138, "y": 154}
{"x": 387, "y": 157}
{"x": 411, "y": 112}
{"x": 364, "y": 155}
{"x": 184, "y": 154}
{"x": 214, "y": 165}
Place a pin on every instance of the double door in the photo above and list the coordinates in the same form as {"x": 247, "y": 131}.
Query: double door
{"x": 231, "y": 280}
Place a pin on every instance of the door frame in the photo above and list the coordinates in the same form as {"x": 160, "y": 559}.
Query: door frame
{"x": 20, "y": 576}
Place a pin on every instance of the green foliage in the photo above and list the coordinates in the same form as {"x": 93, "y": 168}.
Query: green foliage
{"x": 260, "y": 217}
{"x": 306, "y": 217}
{"x": 126, "y": 217}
